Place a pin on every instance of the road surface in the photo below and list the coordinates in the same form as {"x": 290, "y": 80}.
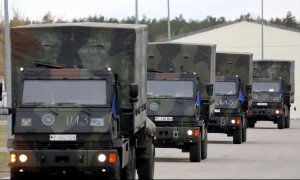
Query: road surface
{"x": 268, "y": 153}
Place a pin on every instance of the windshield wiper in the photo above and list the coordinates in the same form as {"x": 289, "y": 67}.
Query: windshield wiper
{"x": 43, "y": 105}
{"x": 67, "y": 103}
{"x": 86, "y": 111}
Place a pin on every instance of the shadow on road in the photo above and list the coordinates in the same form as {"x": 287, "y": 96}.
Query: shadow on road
{"x": 220, "y": 142}
{"x": 159, "y": 159}
{"x": 264, "y": 128}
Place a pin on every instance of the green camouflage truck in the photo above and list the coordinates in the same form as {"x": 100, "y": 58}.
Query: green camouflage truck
{"x": 273, "y": 92}
{"x": 79, "y": 101}
{"x": 233, "y": 95}
{"x": 180, "y": 95}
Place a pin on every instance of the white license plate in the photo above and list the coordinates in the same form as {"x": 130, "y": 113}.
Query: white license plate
{"x": 163, "y": 119}
{"x": 63, "y": 137}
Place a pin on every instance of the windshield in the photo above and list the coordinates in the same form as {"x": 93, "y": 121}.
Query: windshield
{"x": 158, "y": 88}
{"x": 266, "y": 86}
{"x": 226, "y": 88}
{"x": 51, "y": 92}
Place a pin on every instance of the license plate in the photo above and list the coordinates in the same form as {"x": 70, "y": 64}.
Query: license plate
{"x": 163, "y": 118}
{"x": 63, "y": 137}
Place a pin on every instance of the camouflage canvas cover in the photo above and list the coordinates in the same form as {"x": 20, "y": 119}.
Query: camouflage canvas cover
{"x": 284, "y": 69}
{"x": 85, "y": 46}
{"x": 235, "y": 64}
{"x": 183, "y": 57}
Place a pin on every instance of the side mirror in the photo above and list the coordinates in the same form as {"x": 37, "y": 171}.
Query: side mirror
{"x": 249, "y": 88}
{"x": 0, "y": 91}
{"x": 210, "y": 89}
{"x": 289, "y": 87}
{"x": 134, "y": 92}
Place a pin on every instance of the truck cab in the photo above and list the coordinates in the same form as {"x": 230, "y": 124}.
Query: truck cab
{"x": 269, "y": 102}
{"x": 229, "y": 117}
{"x": 273, "y": 92}
{"x": 79, "y": 102}
{"x": 174, "y": 103}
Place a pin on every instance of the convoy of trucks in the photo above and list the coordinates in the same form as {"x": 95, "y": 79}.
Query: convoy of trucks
{"x": 233, "y": 95}
{"x": 95, "y": 99}
{"x": 79, "y": 101}
{"x": 273, "y": 92}
{"x": 180, "y": 95}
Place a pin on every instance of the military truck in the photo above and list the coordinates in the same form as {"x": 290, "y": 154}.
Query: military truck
{"x": 273, "y": 92}
{"x": 180, "y": 95}
{"x": 233, "y": 95}
{"x": 79, "y": 101}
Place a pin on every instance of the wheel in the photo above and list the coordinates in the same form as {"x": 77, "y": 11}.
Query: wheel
{"x": 195, "y": 152}
{"x": 145, "y": 166}
{"x": 287, "y": 121}
{"x": 237, "y": 136}
{"x": 281, "y": 122}
{"x": 204, "y": 146}
{"x": 128, "y": 172}
{"x": 244, "y": 134}
{"x": 251, "y": 125}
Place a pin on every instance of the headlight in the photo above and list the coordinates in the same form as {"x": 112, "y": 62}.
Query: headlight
{"x": 189, "y": 132}
{"x": 101, "y": 157}
{"x": 232, "y": 121}
{"x": 23, "y": 158}
{"x": 277, "y": 111}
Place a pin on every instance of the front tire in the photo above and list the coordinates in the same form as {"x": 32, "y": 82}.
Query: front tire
{"x": 195, "y": 152}
{"x": 281, "y": 122}
{"x": 237, "y": 136}
{"x": 145, "y": 166}
{"x": 287, "y": 121}
{"x": 204, "y": 146}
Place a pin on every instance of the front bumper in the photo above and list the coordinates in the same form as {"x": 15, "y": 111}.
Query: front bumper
{"x": 265, "y": 114}
{"x": 64, "y": 161}
{"x": 173, "y": 136}
{"x": 224, "y": 124}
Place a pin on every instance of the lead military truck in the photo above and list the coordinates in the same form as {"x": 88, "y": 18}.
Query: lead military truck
{"x": 180, "y": 95}
{"x": 233, "y": 95}
{"x": 273, "y": 92}
{"x": 79, "y": 101}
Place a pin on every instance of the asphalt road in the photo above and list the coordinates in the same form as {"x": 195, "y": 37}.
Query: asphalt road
{"x": 268, "y": 153}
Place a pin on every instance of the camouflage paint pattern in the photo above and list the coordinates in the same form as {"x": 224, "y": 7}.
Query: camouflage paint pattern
{"x": 85, "y": 46}
{"x": 268, "y": 69}
{"x": 182, "y": 57}
{"x": 235, "y": 64}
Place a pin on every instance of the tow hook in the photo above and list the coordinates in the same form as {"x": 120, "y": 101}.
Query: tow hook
{"x": 175, "y": 134}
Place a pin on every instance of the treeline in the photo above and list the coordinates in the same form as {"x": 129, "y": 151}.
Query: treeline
{"x": 157, "y": 27}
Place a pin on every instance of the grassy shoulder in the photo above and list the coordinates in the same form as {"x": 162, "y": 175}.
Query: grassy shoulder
{"x": 4, "y": 168}
{"x": 3, "y": 135}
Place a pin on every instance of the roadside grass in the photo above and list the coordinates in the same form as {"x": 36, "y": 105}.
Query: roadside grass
{"x": 3, "y": 135}
{"x": 4, "y": 168}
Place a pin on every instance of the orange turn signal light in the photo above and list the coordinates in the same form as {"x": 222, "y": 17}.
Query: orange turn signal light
{"x": 112, "y": 158}
{"x": 13, "y": 158}
{"x": 238, "y": 121}
{"x": 196, "y": 132}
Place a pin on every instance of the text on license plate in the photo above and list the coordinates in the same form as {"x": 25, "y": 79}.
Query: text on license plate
{"x": 63, "y": 137}
{"x": 163, "y": 118}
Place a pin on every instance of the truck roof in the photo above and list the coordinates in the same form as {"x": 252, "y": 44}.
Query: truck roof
{"x": 85, "y": 24}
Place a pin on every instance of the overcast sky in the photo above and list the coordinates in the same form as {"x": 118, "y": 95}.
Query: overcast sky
{"x": 190, "y": 9}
